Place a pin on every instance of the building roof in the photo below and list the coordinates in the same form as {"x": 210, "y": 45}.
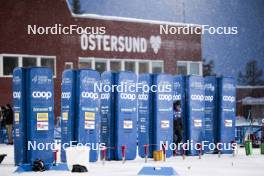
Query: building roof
{"x": 128, "y": 19}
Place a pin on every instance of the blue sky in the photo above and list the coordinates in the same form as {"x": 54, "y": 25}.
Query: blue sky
{"x": 229, "y": 52}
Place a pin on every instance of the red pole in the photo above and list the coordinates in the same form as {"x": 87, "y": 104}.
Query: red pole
{"x": 104, "y": 154}
{"x": 164, "y": 151}
{"x": 55, "y": 156}
{"x": 233, "y": 147}
{"x": 146, "y": 152}
{"x": 199, "y": 146}
{"x": 219, "y": 152}
{"x": 183, "y": 151}
{"x": 175, "y": 151}
{"x": 123, "y": 153}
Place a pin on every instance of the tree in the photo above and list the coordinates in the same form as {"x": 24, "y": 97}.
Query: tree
{"x": 252, "y": 75}
{"x": 76, "y": 7}
{"x": 208, "y": 68}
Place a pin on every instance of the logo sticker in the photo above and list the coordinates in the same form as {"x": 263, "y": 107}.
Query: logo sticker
{"x": 128, "y": 124}
{"x": 165, "y": 124}
{"x": 197, "y": 123}
{"x": 65, "y": 116}
{"x": 228, "y": 123}
{"x": 16, "y": 117}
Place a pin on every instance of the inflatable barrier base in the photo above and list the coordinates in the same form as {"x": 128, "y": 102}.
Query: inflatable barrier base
{"x": 168, "y": 171}
{"x": 28, "y": 168}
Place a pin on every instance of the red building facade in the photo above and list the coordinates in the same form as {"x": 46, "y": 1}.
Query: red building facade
{"x": 148, "y": 50}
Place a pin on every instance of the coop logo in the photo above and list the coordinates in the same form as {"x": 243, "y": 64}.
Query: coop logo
{"x": 38, "y": 94}
{"x": 209, "y": 98}
{"x": 165, "y": 97}
{"x": 177, "y": 97}
{"x": 90, "y": 95}
{"x": 143, "y": 97}
{"x": 127, "y": 96}
{"x": 17, "y": 95}
{"x": 105, "y": 96}
{"x": 229, "y": 98}
{"x": 197, "y": 97}
{"x": 66, "y": 95}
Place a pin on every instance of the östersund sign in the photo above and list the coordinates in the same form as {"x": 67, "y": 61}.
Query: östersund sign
{"x": 114, "y": 43}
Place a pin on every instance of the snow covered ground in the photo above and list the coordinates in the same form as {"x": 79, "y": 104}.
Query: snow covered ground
{"x": 210, "y": 165}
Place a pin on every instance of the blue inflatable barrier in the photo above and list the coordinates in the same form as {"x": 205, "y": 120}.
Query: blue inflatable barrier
{"x": 145, "y": 122}
{"x": 68, "y": 110}
{"x": 162, "y": 112}
{"x": 20, "y": 121}
{"x": 108, "y": 114}
{"x": 194, "y": 112}
{"x": 40, "y": 114}
{"x": 126, "y": 116}
{"x": 210, "y": 118}
{"x": 226, "y": 113}
{"x": 88, "y": 102}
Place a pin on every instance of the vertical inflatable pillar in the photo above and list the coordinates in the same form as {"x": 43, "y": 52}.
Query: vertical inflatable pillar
{"x": 126, "y": 116}
{"x": 40, "y": 114}
{"x": 179, "y": 118}
{"x": 68, "y": 110}
{"x": 226, "y": 113}
{"x": 194, "y": 112}
{"x": 20, "y": 122}
{"x": 145, "y": 127}
{"x": 210, "y": 118}
{"x": 108, "y": 114}
{"x": 162, "y": 112}
{"x": 88, "y": 103}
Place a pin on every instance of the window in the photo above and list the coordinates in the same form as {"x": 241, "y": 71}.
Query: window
{"x": 48, "y": 62}
{"x": 182, "y": 68}
{"x": 157, "y": 67}
{"x": 100, "y": 66}
{"x": 194, "y": 68}
{"x": 85, "y": 64}
{"x": 68, "y": 65}
{"x": 130, "y": 66}
{"x": 143, "y": 67}
{"x": 29, "y": 62}
{"x": 9, "y": 63}
{"x": 189, "y": 68}
{"x": 115, "y": 65}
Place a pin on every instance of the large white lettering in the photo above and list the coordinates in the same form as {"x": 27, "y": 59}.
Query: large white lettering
{"x": 113, "y": 43}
